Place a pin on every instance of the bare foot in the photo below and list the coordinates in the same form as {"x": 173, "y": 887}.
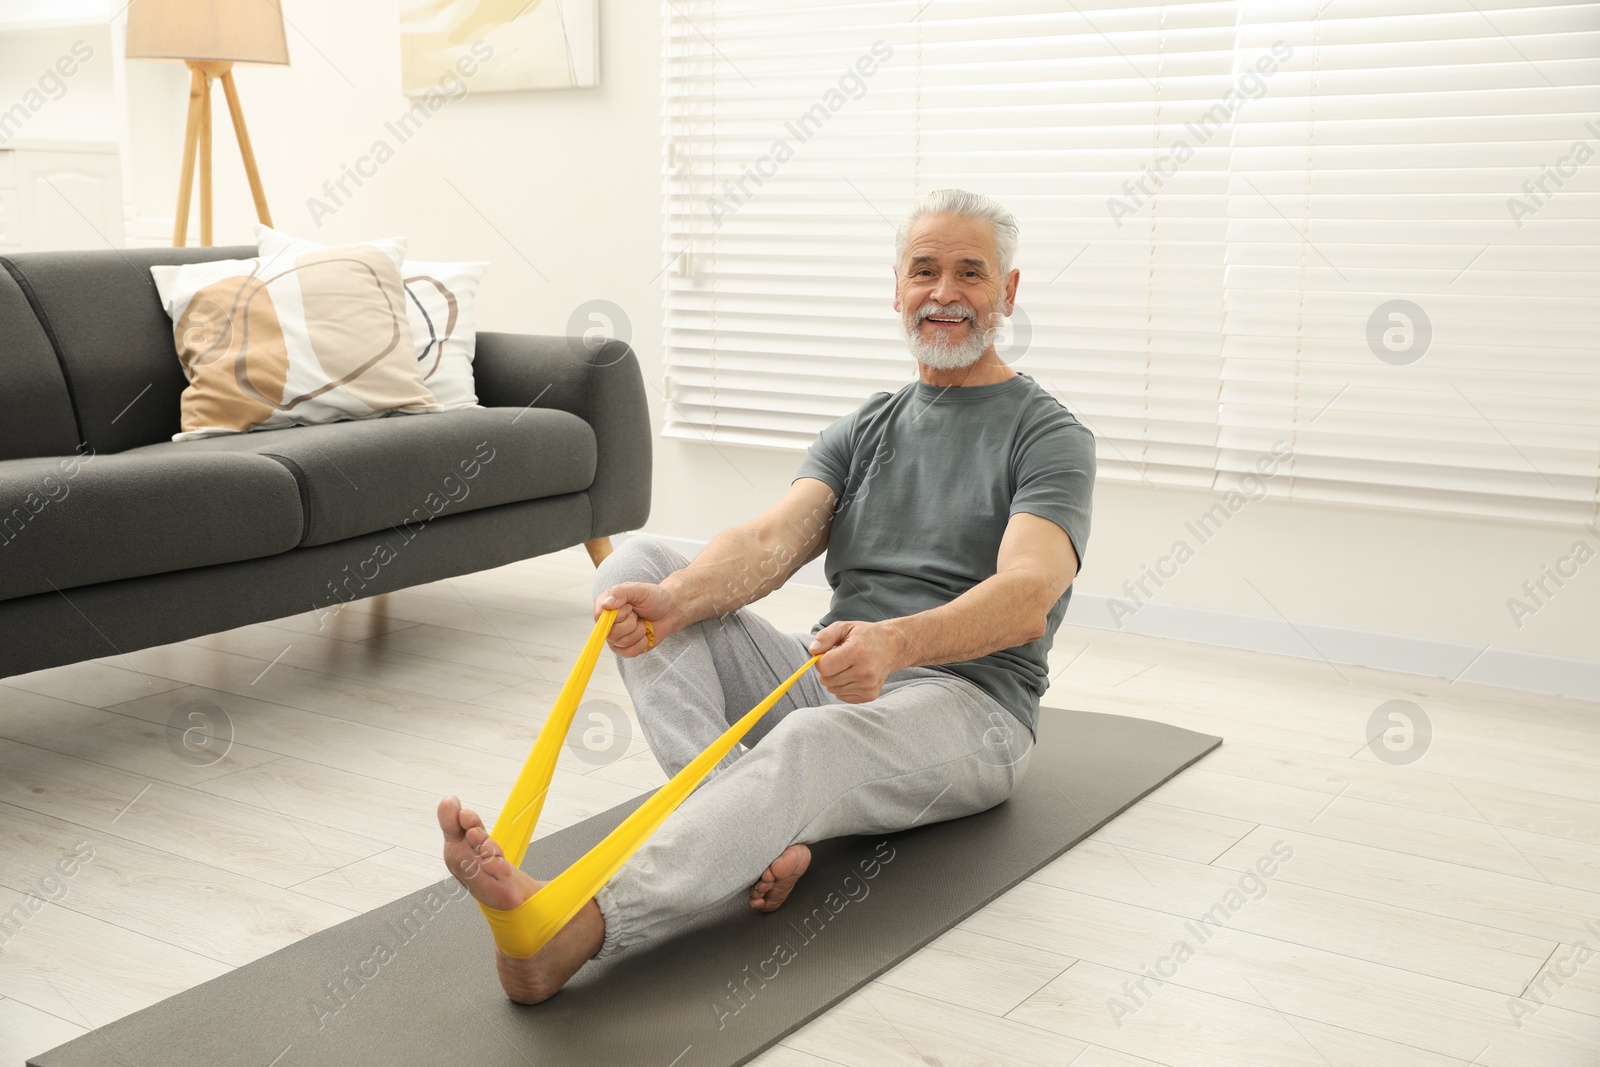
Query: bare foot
{"x": 772, "y": 888}
{"x": 479, "y": 864}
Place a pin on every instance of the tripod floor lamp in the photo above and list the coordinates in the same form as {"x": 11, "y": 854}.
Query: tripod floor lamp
{"x": 210, "y": 36}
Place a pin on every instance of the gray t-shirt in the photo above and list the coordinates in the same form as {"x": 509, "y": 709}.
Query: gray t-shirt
{"x": 926, "y": 480}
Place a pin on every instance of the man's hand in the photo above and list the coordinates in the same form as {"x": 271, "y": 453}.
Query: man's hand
{"x": 635, "y": 602}
{"x": 857, "y": 657}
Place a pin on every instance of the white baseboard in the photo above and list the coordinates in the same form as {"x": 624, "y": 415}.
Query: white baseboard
{"x": 1509, "y": 668}
{"x": 1513, "y": 669}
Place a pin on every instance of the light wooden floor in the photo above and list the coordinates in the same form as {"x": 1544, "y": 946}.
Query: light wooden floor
{"x": 1419, "y": 903}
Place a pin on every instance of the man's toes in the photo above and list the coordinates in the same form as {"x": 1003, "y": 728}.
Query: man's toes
{"x": 773, "y": 887}
{"x": 469, "y": 851}
{"x": 487, "y": 856}
{"x": 450, "y": 818}
{"x": 471, "y": 820}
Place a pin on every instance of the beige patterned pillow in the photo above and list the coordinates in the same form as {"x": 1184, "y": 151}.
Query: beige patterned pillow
{"x": 322, "y": 337}
{"x": 441, "y": 302}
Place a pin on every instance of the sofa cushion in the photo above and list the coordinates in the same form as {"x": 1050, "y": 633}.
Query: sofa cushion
{"x": 104, "y": 318}
{"x": 38, "y": 419}
{"x": 80, "y": 520}
{"x": 399, "y": 471}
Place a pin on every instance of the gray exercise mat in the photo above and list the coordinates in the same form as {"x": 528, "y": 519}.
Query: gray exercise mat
{"x": 413, "y": 982}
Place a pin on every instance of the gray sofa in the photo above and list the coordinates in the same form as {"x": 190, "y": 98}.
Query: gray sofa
{"x": 113, "y": 537}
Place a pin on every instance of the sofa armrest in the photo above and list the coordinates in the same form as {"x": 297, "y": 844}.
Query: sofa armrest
{"x": 603, "y": 387}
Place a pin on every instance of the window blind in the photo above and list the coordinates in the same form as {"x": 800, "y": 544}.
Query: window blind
{"x": 1419, "y": 326}
{"x": 778, "y": 291}
{"x": 1217, "y": 200}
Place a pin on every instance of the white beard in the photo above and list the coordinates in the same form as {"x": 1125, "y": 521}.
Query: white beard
{"x": 940, "y": 355}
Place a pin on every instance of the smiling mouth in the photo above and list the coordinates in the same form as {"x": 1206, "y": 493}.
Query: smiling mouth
{"x": 943, "y": 321}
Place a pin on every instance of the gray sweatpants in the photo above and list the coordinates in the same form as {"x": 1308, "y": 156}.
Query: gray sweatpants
{"x": 932, "y": 746}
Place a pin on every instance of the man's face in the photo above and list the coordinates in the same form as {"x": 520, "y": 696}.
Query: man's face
{"x": 949, "y": 291}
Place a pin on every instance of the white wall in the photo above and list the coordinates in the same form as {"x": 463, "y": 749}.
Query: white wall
{"x": 561, "y": 190}
{"x": 74, "y": 107}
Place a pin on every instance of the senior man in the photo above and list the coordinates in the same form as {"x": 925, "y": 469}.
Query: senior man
{"x": 954, "y": 513}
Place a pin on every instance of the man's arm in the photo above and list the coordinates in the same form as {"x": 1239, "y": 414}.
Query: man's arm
{"x": 1035, "y": 565}
{"x": 746, "y": 562}
{"x": 741, "y": 565}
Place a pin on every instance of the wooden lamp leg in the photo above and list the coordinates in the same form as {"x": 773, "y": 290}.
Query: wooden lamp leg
{"x": 197, "y": 92}
{"x": 205, "y": 163}
{"x": 245, "y": 150}
{"x": 599, "y": 549}
{"x": 197, "y": 142}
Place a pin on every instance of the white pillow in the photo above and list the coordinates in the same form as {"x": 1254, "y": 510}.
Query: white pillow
{"x": 441, "y": 306}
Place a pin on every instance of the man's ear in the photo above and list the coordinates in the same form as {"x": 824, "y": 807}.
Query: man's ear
{"x": 896, "y": 275}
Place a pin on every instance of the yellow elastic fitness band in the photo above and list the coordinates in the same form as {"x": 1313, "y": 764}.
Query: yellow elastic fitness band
{"x": 527, "y": 928}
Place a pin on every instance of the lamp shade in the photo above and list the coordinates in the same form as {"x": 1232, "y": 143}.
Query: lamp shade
{"x": 240, "y": 31}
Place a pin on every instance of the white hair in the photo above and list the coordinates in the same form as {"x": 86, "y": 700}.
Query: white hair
{"x": 967, "y": 205}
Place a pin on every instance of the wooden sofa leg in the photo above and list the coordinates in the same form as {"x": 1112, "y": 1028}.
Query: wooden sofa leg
{"x": 599, "y": 549}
